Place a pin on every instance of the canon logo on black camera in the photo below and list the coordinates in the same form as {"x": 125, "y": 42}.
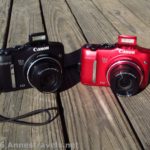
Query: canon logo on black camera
{"x": 37, "y": 49}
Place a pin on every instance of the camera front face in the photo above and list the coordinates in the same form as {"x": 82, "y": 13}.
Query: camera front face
{"x": 124, "y": 67}
{"x": 43, "y": 69}
{"x": 36, "y": 64}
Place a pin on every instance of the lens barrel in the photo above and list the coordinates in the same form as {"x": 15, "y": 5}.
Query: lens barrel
{"x": 125, "y": 78}
{"x": 43, "y": 73}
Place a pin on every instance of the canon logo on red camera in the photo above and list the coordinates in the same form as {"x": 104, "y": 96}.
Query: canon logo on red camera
{"x": 126, "y": 51}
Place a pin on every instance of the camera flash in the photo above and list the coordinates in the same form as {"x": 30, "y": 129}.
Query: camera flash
{"x": 126, "y": 39}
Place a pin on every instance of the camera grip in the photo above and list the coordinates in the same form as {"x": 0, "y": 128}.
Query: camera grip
{"x": 5, "y": 73}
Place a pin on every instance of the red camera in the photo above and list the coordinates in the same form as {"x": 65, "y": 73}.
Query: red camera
{"x": 123, "y": 66}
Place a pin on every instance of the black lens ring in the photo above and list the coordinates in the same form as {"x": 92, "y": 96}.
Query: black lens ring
{"x": 125, "y": 71}
{"x": 32, "y": 63}
{"x": 129, "y": 89}
{"x": 46, "y": 80}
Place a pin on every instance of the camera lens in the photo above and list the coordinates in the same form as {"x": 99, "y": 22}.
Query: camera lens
{"x": 124, "y": 82}
{"x": 125, "y": 78}
{"x": 44, "y": 73}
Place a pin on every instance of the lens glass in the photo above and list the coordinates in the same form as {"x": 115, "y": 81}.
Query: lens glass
{"x": 49, "y": 79}
{"x": 125, "y": 80}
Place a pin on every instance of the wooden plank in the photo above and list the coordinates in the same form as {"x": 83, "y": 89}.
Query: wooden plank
{"x": 4, "y": 7}
{"x": 125, "y": 20}
{"x": 93, "y": 117}
{"x": 139, "y": 8}
{"x": 26, "y": 19}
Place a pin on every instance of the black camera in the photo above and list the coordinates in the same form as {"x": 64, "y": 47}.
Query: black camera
{"x": 38, "y": 64}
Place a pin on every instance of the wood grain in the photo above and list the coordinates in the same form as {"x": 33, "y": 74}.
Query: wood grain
{"x": 93, "y": 116}
{"x": 4, "y": 7}
{"x": 25, "y": 20}
{"x": 140, "y": 9}
{"x": 124, "y": 20}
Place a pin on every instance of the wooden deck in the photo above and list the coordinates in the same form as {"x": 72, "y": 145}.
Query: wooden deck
{"x": 94, "y": 118}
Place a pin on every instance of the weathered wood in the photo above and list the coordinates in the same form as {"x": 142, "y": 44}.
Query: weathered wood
{"x": 4, "y": 7}
{"x": 93, "y": 116}
{"x": 26, "y": 19}
{"x": 123, "y": 20}
{"x": 139, "y": 8}
{"x": 129, "y": 22}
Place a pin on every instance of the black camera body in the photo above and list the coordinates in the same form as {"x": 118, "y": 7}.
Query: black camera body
{"x": 38, "y": 63}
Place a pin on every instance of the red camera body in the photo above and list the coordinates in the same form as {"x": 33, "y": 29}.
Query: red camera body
{"x": 100, "y": 62}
